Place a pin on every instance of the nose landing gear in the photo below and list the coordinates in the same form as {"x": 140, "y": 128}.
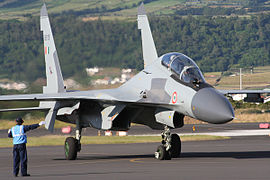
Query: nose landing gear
{"x": 171, "y": 146}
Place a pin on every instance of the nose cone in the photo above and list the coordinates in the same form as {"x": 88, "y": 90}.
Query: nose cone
{"x": 211, "y": 106}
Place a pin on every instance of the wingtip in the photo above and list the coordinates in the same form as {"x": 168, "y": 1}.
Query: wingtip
{"x": 141, "y": 9}
{"x": 43, "y": 11}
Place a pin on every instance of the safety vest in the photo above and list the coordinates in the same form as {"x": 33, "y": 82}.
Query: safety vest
{"x": 18, "y": 134}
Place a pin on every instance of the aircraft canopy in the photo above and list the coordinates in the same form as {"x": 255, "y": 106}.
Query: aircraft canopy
{"x": 184, "y": 67}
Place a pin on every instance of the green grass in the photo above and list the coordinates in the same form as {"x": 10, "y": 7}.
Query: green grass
{"x": 7, "y": 124}
{"x": 56, "y": 140}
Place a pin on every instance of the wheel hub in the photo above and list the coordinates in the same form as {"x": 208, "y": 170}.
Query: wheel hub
{"x": 67, "y": 149}
{"x": 157, "y": 155}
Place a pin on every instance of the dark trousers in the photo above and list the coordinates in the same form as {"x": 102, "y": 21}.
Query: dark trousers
{"x": 19, "y": 155}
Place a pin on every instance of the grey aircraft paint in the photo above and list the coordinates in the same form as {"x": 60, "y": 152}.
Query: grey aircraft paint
{"x": 210, "y": 106}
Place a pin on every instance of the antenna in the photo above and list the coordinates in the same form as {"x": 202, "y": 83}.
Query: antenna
{"x": 240, "y": 78}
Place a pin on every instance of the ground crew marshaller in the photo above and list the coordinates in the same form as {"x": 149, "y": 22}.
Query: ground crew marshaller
{"x": 19, "y": 145}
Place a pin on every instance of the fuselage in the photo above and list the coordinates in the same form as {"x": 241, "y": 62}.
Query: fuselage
{"x": 175, "y": 81}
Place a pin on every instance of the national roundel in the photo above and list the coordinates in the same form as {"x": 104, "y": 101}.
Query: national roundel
{"x": 174, "y": 98}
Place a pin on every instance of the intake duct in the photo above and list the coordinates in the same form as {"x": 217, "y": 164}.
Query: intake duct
{"x": 170, "y": 118}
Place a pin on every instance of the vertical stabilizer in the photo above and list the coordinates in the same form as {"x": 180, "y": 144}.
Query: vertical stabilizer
{"x": 55, "y": 83}
{"x": 148, "y": 45}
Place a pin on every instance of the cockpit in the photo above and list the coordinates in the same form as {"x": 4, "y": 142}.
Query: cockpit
{"x": 183, "y": 68}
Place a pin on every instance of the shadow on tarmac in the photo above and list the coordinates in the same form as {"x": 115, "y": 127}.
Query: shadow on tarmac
{"x": 142, "y": 156}
{"x": 186, "y": 155}
{"x": 236, "y": 155}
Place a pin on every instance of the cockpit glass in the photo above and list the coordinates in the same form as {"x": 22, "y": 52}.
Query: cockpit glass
{"x": 191, "y": 74}
{"x": 183, "y": 67}
{"x": 167, "y": 58}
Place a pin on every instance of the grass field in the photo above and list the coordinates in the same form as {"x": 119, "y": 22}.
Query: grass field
{"x": 7, "y": 124}
{"x": 113, "y": 9}
{"x": 59, "y": 140}
{"x": 258, "y": 80}
{"x": 10, "y": 9}
{"x": 241, "y": 117}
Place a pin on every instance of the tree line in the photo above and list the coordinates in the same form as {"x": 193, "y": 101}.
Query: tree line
{"x": 216, "y": 44}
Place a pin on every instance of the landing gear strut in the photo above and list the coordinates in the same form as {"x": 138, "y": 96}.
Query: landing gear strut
{"x": 171, "y": 145}
{"x": 73, "y": 145}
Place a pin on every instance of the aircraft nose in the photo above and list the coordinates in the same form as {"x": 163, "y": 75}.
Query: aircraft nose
{"x": 211, "y": 106}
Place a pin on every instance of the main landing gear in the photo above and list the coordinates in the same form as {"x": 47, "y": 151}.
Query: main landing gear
{"x": 171, "y": 146}
{"x": 73, "y": 145}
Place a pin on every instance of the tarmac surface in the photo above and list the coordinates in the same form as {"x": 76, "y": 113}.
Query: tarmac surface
{"x": 144, "y": 130}
{"x": 236, "y": 158}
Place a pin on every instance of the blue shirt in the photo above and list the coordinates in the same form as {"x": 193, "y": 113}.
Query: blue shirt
{"x": 18, "y": 133}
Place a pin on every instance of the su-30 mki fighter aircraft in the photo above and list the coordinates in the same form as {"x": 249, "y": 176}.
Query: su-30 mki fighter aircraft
{"x": 167, "y": 89}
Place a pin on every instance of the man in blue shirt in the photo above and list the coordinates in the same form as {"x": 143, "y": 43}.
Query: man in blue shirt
{"x": 19, "y": 141}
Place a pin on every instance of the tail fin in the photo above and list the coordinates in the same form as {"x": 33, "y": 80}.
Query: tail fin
{"x": 55, "y": 83}
{"x": 148, "y": 45}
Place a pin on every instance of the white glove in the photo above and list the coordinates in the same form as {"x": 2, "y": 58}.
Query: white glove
{"x": 9, "y": 131}
{"x": 41, "y": 123}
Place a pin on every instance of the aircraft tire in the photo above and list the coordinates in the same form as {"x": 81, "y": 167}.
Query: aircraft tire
{"x": 162, "y": 154}
{"x": 168, "y": 155}
{"x": 71, "y": 148}
{"x": 176, "y": 146}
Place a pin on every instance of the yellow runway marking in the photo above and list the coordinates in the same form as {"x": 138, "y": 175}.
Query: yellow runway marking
{"x": 136, "y": 161}
{"x": 153, "y": 161}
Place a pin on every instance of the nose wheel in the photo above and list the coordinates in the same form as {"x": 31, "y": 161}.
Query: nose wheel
{"x": 171, "y": 146}
{"x": 162, "y": 154}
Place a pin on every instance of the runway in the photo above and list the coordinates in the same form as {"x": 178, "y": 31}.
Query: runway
{"x": 229, "y": 129}
{"x": 236, "y": 158}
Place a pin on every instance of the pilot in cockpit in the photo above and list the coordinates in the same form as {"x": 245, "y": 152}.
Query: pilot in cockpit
{"x": 171, "y": 58}
{"x": 189, "y": 75}
{"x": 186, "y": 74}
{"x": 183, "y": 68}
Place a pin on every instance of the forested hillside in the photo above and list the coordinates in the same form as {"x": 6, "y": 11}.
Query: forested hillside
{"x": 215, "y": 44}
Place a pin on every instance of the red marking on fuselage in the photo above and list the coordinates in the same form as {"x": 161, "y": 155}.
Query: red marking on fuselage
{"x": 174, "y": 98}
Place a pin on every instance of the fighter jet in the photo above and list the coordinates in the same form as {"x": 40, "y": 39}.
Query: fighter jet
{"x": 169, "y": 88}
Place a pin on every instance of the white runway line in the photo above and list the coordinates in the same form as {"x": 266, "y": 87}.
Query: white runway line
{"x": 256, "y": 132}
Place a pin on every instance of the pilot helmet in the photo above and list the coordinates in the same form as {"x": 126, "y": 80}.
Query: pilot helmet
{"x": 172, "y": 57}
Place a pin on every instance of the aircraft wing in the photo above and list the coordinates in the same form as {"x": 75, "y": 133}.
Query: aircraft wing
{"x": 251, "y": 95}
{"x": 243, "y": 91}
{"x": 109, "y": 96}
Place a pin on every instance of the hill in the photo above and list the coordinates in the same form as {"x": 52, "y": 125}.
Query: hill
{"x": 216, "y": 44}
{"x": 18, "y": 9}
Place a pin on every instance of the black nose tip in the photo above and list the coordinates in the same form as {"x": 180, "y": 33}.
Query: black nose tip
{"x": 211, "y": 106}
